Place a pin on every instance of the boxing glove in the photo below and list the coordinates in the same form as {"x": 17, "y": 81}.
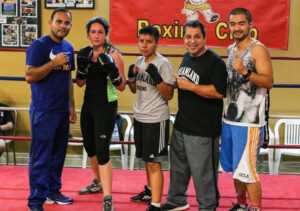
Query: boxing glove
{"x": 109, "y": 66}
{"x": 153, "y": 72}
{"x": 131, "y": 75}
{"x": 84, "y": 57}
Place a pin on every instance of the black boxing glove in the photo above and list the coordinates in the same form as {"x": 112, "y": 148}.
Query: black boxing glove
{"x": 109, "y": 66}
{"x": 84, "y": 57}
{"x": 153, "y": 72}
{"x": 131, "y": 75}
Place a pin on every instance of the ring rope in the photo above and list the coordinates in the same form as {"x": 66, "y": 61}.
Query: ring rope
{"x": 26, "y": 138}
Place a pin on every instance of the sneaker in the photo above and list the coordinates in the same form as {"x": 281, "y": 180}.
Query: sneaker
{"x": 237, "y": 207}
{"x": 142, "y": 196}
{"x": 153, "y": 208}
{"x": 95, "y": 187}
{"x": 175, "y": 207}
{"x": 107, "y": 203}
{"x": 58, "y": 198}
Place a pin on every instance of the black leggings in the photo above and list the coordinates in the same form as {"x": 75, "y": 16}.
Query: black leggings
{"x": 97, "y": 123}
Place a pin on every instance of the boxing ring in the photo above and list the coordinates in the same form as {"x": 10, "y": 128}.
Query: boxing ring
{"x": 280, "y": 192}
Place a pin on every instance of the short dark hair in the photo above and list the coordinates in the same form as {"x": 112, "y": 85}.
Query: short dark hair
{"x": 150, "y": 30}
{"x": 61, "y": 9}
{"x": 99, "y": 20}
{"x": 195, "y": 24}
{"x": 241, "y": 11}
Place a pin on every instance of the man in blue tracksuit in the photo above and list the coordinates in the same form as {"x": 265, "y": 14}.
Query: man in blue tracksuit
{"x": 49, "y": 62}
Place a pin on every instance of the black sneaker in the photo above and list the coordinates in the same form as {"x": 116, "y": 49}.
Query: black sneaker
{"x": 175, "y": 207}
{"x": 95, "y": 187}
{"x": 142, "y": 196}
{"x": 153, "y": 208}
{"x": 107, "y": 204}
{"x": 237, "y": 207}
{"x": 58, "y": 198}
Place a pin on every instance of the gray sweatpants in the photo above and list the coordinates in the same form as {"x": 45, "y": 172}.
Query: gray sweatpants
{"x": 198, "y": 157}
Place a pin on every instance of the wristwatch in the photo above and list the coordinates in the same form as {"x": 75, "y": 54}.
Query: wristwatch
{"x": 248, "y": 74}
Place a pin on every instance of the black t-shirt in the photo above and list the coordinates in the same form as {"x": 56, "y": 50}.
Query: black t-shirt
{"x": 96, "y": 83}
{"x": 5, "y": 117}
{"x": 197, "y": 115}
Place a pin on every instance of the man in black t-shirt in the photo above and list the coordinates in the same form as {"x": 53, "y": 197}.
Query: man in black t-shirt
{"x": 194, "y": 149}
{"x": 6, "y": 123}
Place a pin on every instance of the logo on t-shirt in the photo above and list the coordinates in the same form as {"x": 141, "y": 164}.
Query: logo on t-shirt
{"x": 190, "y": 74}
{"x": 52, "y": 55}
{"x": 64, "y": 67}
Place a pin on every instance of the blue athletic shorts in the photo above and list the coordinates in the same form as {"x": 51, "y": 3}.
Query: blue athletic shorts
{"x": 240, "y": 147}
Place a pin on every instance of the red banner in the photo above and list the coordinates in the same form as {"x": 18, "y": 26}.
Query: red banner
{"x": 270, "y": 20}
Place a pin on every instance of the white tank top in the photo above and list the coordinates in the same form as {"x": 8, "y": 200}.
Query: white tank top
{"x": 246, "y": 101}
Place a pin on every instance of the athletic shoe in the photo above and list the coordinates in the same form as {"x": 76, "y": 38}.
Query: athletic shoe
{"x": 142, "y": 196}
{"x": 58, "y": 198}
{"x": 169, "y": 207}
{"x": 237, "y": 207}
{"x": 95, "y": 187}
{"x": 153, "y": 208}
{"x": 38, "y": 208}
{"x": 107, "y": 204}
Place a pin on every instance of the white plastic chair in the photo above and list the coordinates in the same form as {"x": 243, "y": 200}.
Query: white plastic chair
{"x": 75, "y": 129}
{"x": 84, "y": 153}
{"x": 172, "y": 120}
{"x": 269, "y": 152}
{"x": 132, "y": 150}
{"x": 291, "y": 137}
{"x": 122, "y": 147}
{"x": 132, "y": 147}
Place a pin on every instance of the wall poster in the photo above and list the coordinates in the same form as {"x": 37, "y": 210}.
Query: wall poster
{"x": 71, "y": 4}
{"x": 19, "y": 23}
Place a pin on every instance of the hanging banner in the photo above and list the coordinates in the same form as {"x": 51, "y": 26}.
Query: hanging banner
{"x": 270, "y": 20}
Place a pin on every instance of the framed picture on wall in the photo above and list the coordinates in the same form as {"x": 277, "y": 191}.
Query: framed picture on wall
{"x": 28, "y": 34}
{"x": 72, "y": 4}
{"x": 19, "y": 23}
{"x": 9, "y": 8}
{"x": 10, "y": 35}
{"x": 28, "y": 8}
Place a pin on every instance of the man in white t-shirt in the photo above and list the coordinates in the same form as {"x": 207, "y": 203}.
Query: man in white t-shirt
{"x": 151, "y": 79}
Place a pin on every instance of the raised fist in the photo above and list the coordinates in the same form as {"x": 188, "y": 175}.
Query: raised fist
{"x": 84, "y": 57}
{"x": 131, "y": 74}
{"x": 109, "y": 66}
{"x": 153, "y": 72}
{"x": 105, "y": 59}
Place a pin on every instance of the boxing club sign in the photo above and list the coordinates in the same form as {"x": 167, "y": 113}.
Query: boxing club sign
{"x": 270, "y": 21}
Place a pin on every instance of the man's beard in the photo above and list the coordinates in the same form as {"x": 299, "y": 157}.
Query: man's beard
{"x": 244, "y": 36}
{"x": 59, "y": 37}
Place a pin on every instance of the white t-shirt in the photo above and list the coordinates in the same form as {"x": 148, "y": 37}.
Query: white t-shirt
{"x": 150, "y": 106}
